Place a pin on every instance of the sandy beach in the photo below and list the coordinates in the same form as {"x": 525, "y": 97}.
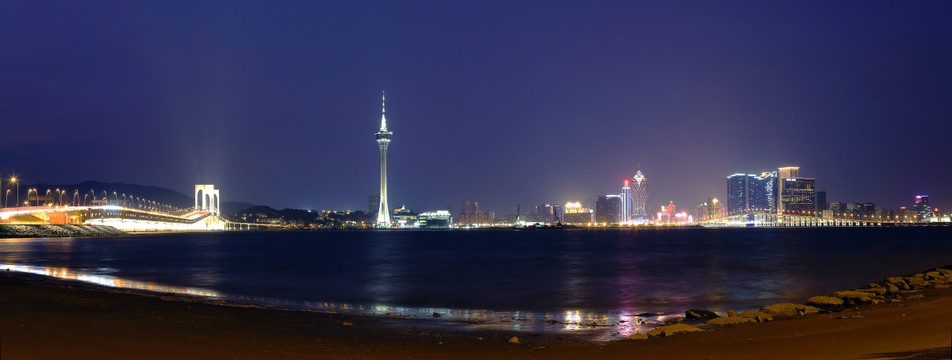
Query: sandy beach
{"x": 45, "y": 318}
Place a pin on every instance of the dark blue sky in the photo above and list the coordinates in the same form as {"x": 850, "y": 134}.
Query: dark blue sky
{"x": 505, "y": 103}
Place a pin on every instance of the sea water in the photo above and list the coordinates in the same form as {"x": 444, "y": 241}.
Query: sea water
{"x": 611, "y": 282}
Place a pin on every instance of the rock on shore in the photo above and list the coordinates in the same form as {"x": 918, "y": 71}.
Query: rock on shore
{"x": 694, "y": 314}
{"x": 16, "y": 231}
{"x": 758, "y": 316}
{"x": 789, "y": 309}
{"x": 823, "y": 301}
{"x": 673, "y": 329}
{"x": 730, "y": 320}
{"x": 891, "y": 289}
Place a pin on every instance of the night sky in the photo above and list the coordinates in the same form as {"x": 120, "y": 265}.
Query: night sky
{"x": 504, "y": 103}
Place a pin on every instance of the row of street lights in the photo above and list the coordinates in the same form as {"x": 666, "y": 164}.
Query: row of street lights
{"x": 140, "y": 203}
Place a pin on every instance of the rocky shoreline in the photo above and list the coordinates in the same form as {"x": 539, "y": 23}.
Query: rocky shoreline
{"x": 892, "y": 290}
{"x": 36, "y": 231}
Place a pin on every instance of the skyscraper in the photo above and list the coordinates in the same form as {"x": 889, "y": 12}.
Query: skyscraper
{"x": 771, "y": 192}
{"x": 639, "y": 196}
{"x": 921, "y": 207}
{"x": 797, "y": 195}
{"x": 737, "y": 194}
{"x": 748, "y": 193}
{"x": 607, "y": 209}
{"x": 788, "y": 172}
{"x": 383, "y": 141}
{"x": 373, "y": 203}
{"x": 820, "y": 204}
{"x": 625, "y": 213}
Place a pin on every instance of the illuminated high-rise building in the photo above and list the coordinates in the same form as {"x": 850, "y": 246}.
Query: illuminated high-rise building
{"x": 747, "y": 193}
{"x": 797, "y": 195}
{"x": 625, "y": 213}
{"x": 383, "y": 141}
{"x": 639, "y": 192}
{"x": 575, "y": 213}
{"x": 921, "y": 207}
{"x": 787, "y": 172}
{"x": 771, "y": 196}
{"x": 737, "y": 194}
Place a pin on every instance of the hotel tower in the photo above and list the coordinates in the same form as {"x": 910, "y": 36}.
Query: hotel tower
{"x": 383, "y": 140}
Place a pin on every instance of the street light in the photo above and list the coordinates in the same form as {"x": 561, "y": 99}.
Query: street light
{"x": 8, "y": 198}
{"x": 13, "y": 179}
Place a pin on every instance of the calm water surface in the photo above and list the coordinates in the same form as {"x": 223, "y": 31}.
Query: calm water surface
{"x": 535, "y": 280}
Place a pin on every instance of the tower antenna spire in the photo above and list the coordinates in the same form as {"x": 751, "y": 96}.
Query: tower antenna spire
{"x": 383, "y": 111}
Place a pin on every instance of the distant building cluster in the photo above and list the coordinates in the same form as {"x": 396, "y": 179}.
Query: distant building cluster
{"x": 920, "y": 211}
{"x": 782, "y": 192}
{"x": 630, "y": 206}
{"x": 777, "y": 192}
{"x": 471, "y": 215}
{"x": 710, "y": 209}
{"x": 545, "y": 214}
{"x": 785, "y": 192}
{"x": 627, "y": 207}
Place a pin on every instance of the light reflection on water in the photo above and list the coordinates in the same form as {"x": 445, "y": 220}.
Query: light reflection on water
{"x": 595, "y": 325}
{"x": 108, "y": 281}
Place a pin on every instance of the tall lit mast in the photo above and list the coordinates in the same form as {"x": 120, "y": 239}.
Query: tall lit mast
{"x": 383, "y": 141}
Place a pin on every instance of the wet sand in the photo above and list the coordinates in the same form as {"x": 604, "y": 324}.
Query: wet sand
{"x": 45, "y": 318}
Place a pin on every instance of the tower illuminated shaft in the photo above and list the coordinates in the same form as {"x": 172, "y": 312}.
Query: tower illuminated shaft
{"x": 383, "y": 141}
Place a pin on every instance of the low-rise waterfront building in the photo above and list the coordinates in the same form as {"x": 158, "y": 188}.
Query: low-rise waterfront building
{"x": 575, "y": 213}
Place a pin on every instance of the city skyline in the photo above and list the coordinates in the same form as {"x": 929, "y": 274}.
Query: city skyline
{"x": 247, "y": 97}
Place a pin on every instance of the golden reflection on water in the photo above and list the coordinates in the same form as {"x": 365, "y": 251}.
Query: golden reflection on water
{"x": 602, "y": 326}
{"x": 110, "y": 281}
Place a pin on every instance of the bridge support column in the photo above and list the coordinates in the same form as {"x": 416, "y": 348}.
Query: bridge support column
{"x": 207, "y": 198}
